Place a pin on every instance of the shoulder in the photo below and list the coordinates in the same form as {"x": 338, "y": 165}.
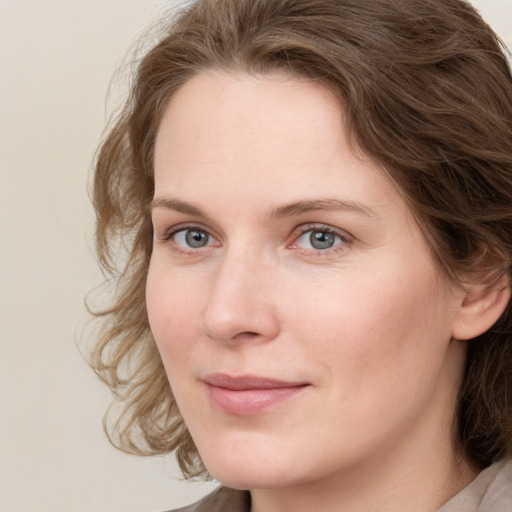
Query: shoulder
{"x": 498, "y": 495}
{"x": 222, "y": 499}
{"x": 491, "y": 491}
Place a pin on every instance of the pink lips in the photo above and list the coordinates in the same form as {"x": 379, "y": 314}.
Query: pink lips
{"x": 248, "y": 394}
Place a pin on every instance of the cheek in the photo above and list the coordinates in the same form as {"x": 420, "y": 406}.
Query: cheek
{"x": 380, "y": 349}
{"x": 376, "y": 332}
{"x": 174, "y": 311}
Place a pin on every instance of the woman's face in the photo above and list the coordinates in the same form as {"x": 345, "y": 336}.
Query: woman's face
{"x": 302, "y": 323}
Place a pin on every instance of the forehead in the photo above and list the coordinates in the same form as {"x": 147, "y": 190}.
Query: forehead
{"x": 259, "y": 140}
{"x": 259, "y": 115}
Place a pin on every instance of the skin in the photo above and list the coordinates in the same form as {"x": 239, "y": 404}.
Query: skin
{"x": 367, "y": 324}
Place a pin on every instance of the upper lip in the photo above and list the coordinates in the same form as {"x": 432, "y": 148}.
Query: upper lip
{"x": 246, "y": 382}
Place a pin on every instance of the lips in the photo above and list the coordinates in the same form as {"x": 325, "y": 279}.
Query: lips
{"x": 249, "y": 394}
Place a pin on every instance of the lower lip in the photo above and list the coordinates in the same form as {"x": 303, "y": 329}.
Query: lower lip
{"x": 250, "y": 401}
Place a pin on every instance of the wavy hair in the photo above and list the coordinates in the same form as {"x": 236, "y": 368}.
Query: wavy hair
{"x": 427, "y": 92}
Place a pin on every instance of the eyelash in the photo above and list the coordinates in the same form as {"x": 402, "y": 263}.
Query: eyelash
{"x": 343, "y": 238}
{"x": 180, "y": 228}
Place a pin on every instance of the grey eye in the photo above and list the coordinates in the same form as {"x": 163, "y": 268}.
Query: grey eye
{"x": 192, "y": 238}
{"x": 322, "y": 239}
{"x": 196, "y": 239}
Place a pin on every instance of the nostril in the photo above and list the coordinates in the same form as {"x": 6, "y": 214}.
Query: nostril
{"x": 246, "y": 335}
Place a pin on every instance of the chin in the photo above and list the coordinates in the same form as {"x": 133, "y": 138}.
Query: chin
{"x": 262, "y": 467}
{"x": 250, "y": 477}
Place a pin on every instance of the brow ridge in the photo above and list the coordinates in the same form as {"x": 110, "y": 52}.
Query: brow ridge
{"x": 176, "y": 205}
{"x": 328, "y": 204}
{"x": 285, "y": 210}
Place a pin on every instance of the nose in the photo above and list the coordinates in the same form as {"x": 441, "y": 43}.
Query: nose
{"x": 242, "y": 302}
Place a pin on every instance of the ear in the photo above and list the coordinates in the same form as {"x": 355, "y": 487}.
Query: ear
{"x": 481, "y": 307}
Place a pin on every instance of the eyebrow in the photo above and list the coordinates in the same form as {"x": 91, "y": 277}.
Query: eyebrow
{"x": 315, "y": 205}
{"x": 285, "y": 210}
{"x": 176, "y": 205}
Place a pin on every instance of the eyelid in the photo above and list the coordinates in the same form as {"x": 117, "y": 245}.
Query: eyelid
{"x": 167, "y": 239}
{"x": 183, "y": 226}
{"x": 345, "y": 237}
{"x": 300, "y": 231}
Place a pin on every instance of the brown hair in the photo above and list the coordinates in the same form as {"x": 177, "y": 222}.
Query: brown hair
{"x": 427, "y": 93}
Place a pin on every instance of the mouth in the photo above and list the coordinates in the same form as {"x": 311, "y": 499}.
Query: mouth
{"x": 248, "y": 394}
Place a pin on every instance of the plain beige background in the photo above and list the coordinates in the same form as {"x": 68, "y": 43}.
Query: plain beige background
{"x": 56, "y": 61}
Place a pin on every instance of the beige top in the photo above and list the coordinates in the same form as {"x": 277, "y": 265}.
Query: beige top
{"x": 222, "y": 499}
{"x": 490, "y": 491}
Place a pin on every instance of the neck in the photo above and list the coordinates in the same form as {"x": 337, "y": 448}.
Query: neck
{"x": 385, "y": 485}
{"x": 378, "y": 494}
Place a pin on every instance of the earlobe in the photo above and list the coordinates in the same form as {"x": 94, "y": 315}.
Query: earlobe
{"x": 481, "y": 307}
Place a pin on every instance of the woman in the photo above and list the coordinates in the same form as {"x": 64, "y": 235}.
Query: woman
{"x": 315, "y": 197}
